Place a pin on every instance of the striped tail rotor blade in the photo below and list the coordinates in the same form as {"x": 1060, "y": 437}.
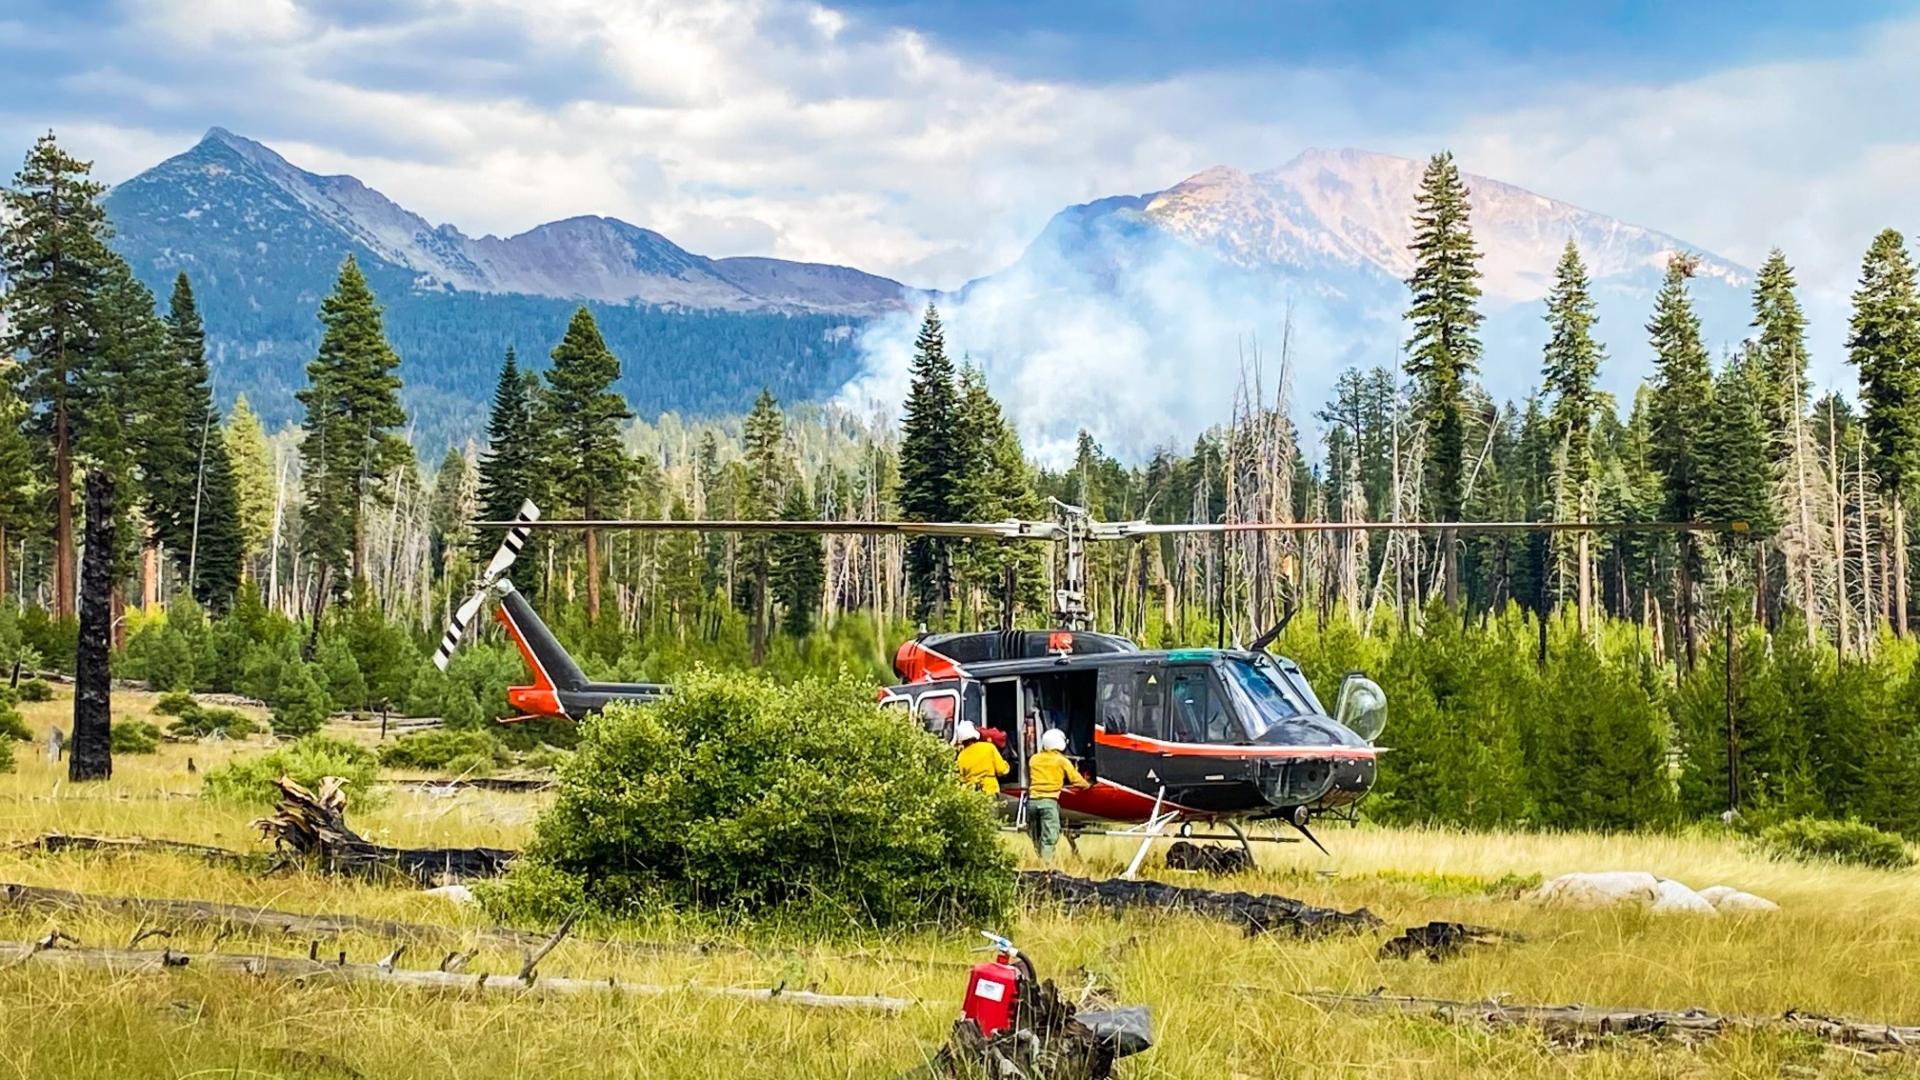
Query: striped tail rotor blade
{"x": 457, "y": 628}
{"x": 516, "y": 539}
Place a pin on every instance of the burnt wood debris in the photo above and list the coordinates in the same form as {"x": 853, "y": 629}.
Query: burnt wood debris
{"x": 92, "y": 750}
{"x": 1256, "y": 913}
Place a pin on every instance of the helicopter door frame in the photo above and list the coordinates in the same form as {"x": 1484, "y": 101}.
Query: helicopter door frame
{"x": 1016, "y": 742}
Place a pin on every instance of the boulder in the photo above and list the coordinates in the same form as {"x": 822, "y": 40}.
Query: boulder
{"x": 1607, "y": 888}
{"x": 458, "y": 895}
{"x": 1726, "y": 898}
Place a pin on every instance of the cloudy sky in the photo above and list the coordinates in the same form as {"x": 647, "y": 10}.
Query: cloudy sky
{"x": 930, "y": 139}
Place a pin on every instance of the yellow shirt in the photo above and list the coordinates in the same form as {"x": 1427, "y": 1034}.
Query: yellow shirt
{"x": 1048, "y": 771}
{"x": 981, "y": 766}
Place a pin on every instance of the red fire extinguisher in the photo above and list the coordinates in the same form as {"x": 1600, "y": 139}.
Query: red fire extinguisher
{"x": 993, "y": 988}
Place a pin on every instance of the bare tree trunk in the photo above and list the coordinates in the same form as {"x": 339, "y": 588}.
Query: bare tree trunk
{"x": 1585, "y": 570}
{"x": 150, "y": 576}
{"x": 62, "y": 513}
{"x": 1899, "y": 565}
{"x": 593, "y": 575}
{"x": 3, "y": 561}
{"x": 1842, "y": 609}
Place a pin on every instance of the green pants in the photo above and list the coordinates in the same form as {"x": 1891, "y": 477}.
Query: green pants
{"x": 1043, "y": 826}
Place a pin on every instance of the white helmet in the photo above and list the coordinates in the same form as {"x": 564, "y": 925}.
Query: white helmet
{"x": 1053, "y": 739}
{"x": 964, "y": 732}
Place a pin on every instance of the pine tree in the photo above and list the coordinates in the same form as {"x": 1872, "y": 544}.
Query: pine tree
{"x": 194, "y": 502}
{"x": 16, "y": 472}
{"x": 768, "y": 466}
{"x": 1678, "y": 414}
{"x": 926, "y": 463}
{"x": 510, "y": 466}
{"x": 1570, "y": 366}
{"x": 1781, "y": 342}
{"x": 453, "y": 505}
{"x": 217, "y": 541}
{"x": 799, "y": 566}
{"x": 1884, "y": 344}
{"x": 54, "y": 257}
{"x": 1735, "y": 469}
{"x": 352, "y": 408}
{"x": 253, "y": 475}
{"x": 113, "y": 405}
{"x": 1444, "y": 349}
{"x": 993, "y": 483}
{"x": 580, "y": 414}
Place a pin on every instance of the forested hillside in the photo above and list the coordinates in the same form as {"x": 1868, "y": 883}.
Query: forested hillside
{"x": 1583, "y": 678}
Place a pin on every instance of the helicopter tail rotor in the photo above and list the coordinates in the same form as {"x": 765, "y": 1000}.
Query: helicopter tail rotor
{"x": 493, "y": 575}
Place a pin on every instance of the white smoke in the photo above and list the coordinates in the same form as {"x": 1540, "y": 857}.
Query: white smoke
{"x": 1141, "y": 340}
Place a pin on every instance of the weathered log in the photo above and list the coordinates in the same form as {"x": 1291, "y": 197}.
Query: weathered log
{"x": 58, "y": 842}
{"x": 1256, "y": 913}
{"x": 1440, "y": 940}
{"x": 1583, "y": 1023}
{"x": 178, "y": 913}
{"x": 480, "y": 783}
{"x": 315, "y": 826}
{"x": 134, "y": 962}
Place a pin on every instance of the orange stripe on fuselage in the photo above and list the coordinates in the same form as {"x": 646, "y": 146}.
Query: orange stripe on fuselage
{"x": 540, "y": 698}
{"x": 1143, "y": 745}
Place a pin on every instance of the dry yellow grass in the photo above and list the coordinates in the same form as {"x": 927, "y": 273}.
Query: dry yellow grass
{"x": 1847, "y": 942}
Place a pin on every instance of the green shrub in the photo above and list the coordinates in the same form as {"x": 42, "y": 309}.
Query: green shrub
{"x": 747, "y": 799}
{"x": 300, "y": 705}
{"x": 177, "y": 703}
{"x": 250, "y": 780}
{"x": 1851, "y": 842}
{"x": 35, "y": 690}
{"x": 198, "y": 723}
{"x": 134, "y": 737}
{"x": 6, "y": 755}
{"x": 12, "y": 727}
{"x": 161, "y": 655}
{"x": 450, "y": 751}
{"x": 545, "y": 757}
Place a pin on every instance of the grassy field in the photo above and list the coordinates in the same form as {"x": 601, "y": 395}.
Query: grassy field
{"x": 1847, "y": 942}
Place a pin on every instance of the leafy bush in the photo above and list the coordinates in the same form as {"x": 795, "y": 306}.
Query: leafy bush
{"x": 12, "y": 727}
{"x": 6, "y": 755}
{"x": 35, "y": 690}
{"x": 748, "y": 798}
{"x": 450, "y": 751}
{"x": 177, "y": 703}
{"x": 250, "y": 780}
{"x": 201, "y": 723}
{"x": 161, "y": 655}
{"x": 134, "y": 737}
{"x": 545, "y": 757}
{"x": 1851, "y": 842}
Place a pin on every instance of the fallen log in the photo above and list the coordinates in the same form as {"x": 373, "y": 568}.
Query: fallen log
{"x": 480, "y": 783}
{"x": 1440, "y": 940}
{"x": 47, "y": 953}
{"x": 53, "y": 843}
{"x": 1584, "y": 1023}
{"x": 1256, "y": 913}
{"x": 238, "y": 917}
{"x": 314, "y": 826}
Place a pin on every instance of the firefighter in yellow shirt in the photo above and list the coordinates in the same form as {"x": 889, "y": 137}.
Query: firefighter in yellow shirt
{"x": 981, "y": 765}
{"x": 1048, "y": 772}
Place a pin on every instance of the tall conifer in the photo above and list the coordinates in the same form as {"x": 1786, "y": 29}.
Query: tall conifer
{"x": 926, "y": 462}
{"x": 1884, "y": 344}
{"x": 352, "y": 409}
{"x": 509, "y": 465}
{"x": 54, "y": 257}
{"x": 1444, "y": 348}
{"x": 1570, "y": 365}
{"x": 1678, "y": 413}
{"x": 580, "y": 415}
{"x": 1781, "y": 344}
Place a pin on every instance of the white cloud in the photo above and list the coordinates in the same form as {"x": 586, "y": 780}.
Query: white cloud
{"x": 788, "y": 128}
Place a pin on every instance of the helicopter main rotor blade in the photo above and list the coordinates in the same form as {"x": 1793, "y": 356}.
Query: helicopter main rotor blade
{"x": 1126, "y": 530}
{"x": 986, "y": 530}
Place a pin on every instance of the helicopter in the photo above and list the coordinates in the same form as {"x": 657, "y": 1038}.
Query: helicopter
{"x": 1169, "y": 739}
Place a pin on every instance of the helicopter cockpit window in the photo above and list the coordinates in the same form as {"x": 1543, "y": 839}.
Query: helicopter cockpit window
{"x": 936, "y": 711}
{"x": 1200, "y": 712}
{"x": 1271, "y": 714}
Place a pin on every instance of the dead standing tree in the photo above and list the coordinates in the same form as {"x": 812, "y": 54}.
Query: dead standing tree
{"x": 92, "y": 757}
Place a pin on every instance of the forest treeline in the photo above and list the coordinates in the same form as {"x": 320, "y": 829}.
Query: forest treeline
{"x": 1573, "y": 680}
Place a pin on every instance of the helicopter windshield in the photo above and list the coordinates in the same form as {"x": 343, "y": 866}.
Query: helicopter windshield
{"x": 1271, "y": 712}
